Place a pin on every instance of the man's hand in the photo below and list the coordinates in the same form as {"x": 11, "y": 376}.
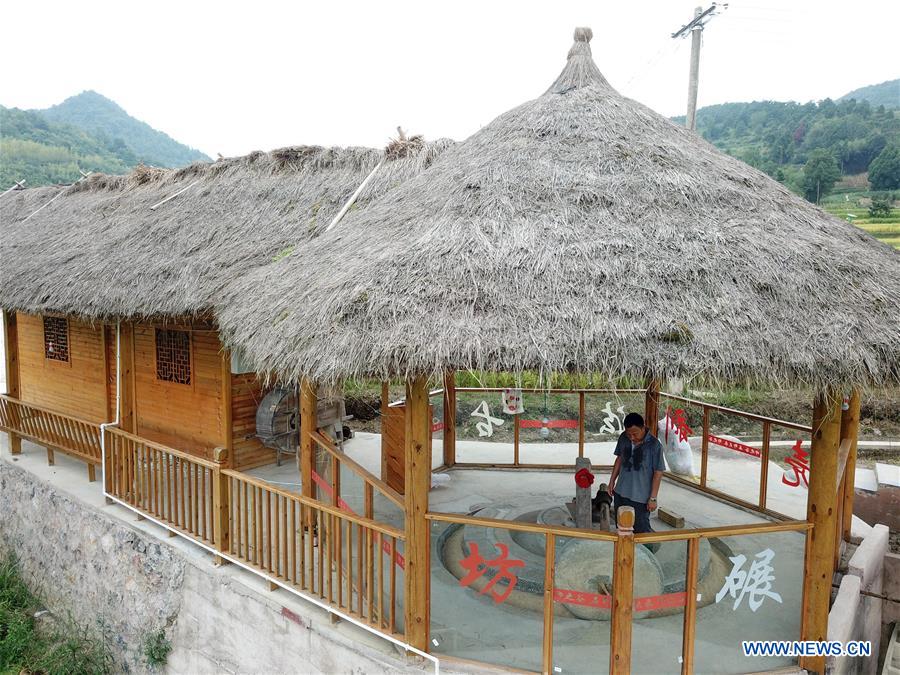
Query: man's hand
{"x": 651, "y": 506}
{"x": 609, "y": 489}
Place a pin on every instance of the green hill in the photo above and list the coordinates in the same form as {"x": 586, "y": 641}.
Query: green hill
{"x": 41, "y": 152}
{"x": 107, "y": 121}
{"x": 886, "y": 94}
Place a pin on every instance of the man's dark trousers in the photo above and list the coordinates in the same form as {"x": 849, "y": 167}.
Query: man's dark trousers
{"x": 641, "y": 514}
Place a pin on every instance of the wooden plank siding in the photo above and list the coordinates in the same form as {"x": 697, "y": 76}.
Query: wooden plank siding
{"x": 77, "y": 387}
{"x": 187, "y": 417}
{"x": 246, "y": 393}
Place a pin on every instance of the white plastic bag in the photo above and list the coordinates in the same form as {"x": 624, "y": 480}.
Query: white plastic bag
{"x": 677, "y": 453}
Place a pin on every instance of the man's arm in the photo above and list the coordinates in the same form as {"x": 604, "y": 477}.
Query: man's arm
{"x": 615, "y": 474}
{"x": 654, "y": 490}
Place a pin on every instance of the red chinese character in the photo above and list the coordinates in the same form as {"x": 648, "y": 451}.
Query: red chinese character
{"x": 799, "y": 464}
{"x": 680, "y": 423}
{"x": 478, "y": 567}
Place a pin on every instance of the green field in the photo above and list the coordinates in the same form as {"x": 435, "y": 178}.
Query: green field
{"x": 846, "y": 205}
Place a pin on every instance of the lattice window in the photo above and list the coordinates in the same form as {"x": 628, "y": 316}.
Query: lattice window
{"x": 56, "y": 338}
{"x": 173, "y": 355}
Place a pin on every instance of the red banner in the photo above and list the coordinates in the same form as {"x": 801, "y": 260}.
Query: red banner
{"x": 550, "y": 424}
{"x": 436, "y": 426}
{"x": 645, "y": 604}
{"x": 734, "y": 445}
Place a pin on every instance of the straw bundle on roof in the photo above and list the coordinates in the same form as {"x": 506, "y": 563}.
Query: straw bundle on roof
{"x": 164, "y": 242}
{"x": 580, "y": 231}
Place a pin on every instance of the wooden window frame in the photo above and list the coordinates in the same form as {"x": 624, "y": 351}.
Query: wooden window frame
{"x": 191, "y": 364}
{"x": 53, "y": 362}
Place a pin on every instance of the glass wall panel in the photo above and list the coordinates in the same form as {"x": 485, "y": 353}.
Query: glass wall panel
{"x": 484, "y": 434}
{"x": 787, "y": 488}
{"x": 487, "y": 595}
{"x": 752, "y": 590}
{"x": 733, "y": 465}
{"x": 603, "y": 423}
{"x": 548, "y": 428}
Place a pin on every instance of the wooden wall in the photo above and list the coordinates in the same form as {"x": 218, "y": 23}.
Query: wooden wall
{"x": 187, "y": 417}
{"x": 246, "y": 393}
{"x": 77, "y": 387}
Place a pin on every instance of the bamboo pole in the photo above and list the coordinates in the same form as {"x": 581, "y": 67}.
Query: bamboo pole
{"x": 850, "y": 430}
{"x": 449, "y": 418}
{"x": 822, "y": 513}
{"x": 417, "y": 470}
{"x": 11, "y": 347}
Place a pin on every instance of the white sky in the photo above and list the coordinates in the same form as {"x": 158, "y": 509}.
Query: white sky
{"x": 235, "y": 77}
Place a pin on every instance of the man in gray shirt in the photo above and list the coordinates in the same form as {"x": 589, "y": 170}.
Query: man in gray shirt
{"x": 638, "y": 471}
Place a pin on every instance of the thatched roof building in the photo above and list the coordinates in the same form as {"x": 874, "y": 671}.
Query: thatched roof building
{"x": 580, "y": 231}
{"x": 164, "y": 242}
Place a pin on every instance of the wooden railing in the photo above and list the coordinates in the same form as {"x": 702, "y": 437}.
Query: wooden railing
{"x": 343, "y": 559}
{"x": 50, "y": 428}
{"x": 621, "y": 601}
{"x": 372, "y": 485}
{"x": 173, "y": 487}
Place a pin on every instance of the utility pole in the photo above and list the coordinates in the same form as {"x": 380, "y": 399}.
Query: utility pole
{"x": 695, "y": 29}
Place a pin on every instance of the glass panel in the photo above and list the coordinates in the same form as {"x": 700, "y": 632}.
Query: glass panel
{"x": 322, "y": 482}
{"x": 751, "y": 590}
{"x": 484, "y": 434}
{"x": 733, "y": 463}
{"x": 548, "y": 429}
{"x": 659, "y": 599}
{"x": 487, "y": 595}
{"x": 603, "y": 416}
{"x": 582, "y": 601}
{"x": 680, "y": 430}
{"x": 387, "y": 512}
{"x": 352, "y": 491}
{"x": 437, "y": 430}
{"x": 787, "y": 488}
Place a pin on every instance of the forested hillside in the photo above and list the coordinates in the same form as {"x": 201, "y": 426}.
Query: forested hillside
{"x": 107, "y": 121}
{"x": 41, "y": 152}
{"x": 886, "y": 94}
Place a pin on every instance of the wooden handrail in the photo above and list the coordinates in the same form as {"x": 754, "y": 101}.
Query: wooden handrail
{"x": 358, "y": 469}
{"x": 722, "y": 531}
{"x": 520, "y": 526}
{"x": 41, "y": 408}
{"x": 553, "y": 391}
{"x": 316, "y": 504}
{"x": 116, "y": 431}
{"x": 739, "y": 413}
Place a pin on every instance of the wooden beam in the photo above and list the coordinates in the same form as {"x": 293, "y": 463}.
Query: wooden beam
{"x": 651, "y": 404}
{"x": 306, "y": 455}
{"x": 385, "y": 402}
{"x": 821, "y": 511}
{"x": 417, "y": 465}
{"x": 11, "y": 346}
{"x": 449, "y": 418}
{"x": 850, "y": 431}
{"x": 127, "y": 386}
{"x": 227, "y": 427}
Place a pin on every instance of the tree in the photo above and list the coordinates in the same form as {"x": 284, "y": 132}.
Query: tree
{"x": 884, "y": 171}
{"x": 820, "y": 173}
{"x": 880, "y": 208}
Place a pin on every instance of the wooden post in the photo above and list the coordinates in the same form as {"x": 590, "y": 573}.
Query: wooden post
{"x": 850, "y": 430}
{"x": 651, "y": 405}
{"x": 690, "y": 607}
{"x": 581, "y": 424}
{"x": 127, "y": 389}
{"x": 623, "y": 595}
{"x": 221, "y": 507}
{"x": 549, "y": 569}
{"x": 385, "y": 404}
{"x": 821, "y": 511}
{"x": 704, "y": 448}
{"x": 11, "y": 346}
{"x": 764, "y": 464}
{"x": 227, "y": 427}
{"x": 449, "y": 418}
{"x": 417, "y": 469}
{"x": 306, "y": 454}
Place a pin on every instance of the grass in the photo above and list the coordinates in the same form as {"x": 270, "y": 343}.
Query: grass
{"x": 63, "y": 648}
{"x": 157, "y": 648}
{"x": 846, "y": 204}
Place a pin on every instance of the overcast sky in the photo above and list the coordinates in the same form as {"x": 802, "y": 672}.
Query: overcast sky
{"x": 235, "y": 77}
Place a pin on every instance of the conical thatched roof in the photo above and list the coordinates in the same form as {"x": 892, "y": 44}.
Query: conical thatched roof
{"x": 100, "y": 249}
{"x": 581, "y": 231}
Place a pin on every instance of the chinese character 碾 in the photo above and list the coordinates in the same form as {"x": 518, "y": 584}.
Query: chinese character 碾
{"x": 756, "y": 583}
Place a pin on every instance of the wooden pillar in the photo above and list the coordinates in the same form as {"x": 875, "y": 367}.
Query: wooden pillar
{"x": 11, "y": 345}
{"x": 623, "y": 595}
{"x": 306, "y": 454}
{"x": 417, "y": 469}
{"x": 850, "y": 431}
{"x": 821, "y": 511}
{"x": 450, "y": 418}
{"x": 226, "y": 415}
{"x": 651, "y": 405}
{"x": 127, "y": 390}
{"x": 385, "y": 403}
{"x": 221, "y": 507}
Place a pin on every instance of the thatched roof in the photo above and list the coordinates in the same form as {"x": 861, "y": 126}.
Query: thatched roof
{"x": 580, "y": 231}
{"x": 101, "y": 251}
